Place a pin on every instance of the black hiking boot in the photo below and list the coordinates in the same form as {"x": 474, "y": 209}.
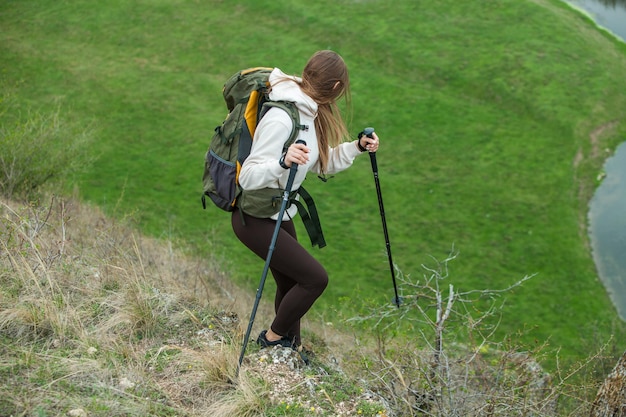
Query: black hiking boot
{"x": 285, "y": 342}
{"x": 263, "y": 342}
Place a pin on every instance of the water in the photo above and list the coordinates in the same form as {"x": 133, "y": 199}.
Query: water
{"x": 607, "y": 210}
{"x": 607, "y": 221}
{"x": 610, "y": 14}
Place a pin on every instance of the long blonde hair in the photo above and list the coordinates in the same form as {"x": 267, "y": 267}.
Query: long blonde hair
{"x": 325, "y": 79}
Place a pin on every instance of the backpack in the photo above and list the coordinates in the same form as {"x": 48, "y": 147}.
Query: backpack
{"x": 247, "y": 101}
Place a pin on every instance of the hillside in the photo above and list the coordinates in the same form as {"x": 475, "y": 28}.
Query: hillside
{"x": 98, "y": 320}
{"x": 494, "y": 121}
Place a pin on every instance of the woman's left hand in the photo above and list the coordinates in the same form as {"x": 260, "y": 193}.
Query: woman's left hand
{"x": 370, "y": 144}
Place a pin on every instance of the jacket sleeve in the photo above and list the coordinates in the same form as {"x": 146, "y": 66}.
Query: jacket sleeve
{"x": 261, "y": 169}
{"x": 339, "y": 158}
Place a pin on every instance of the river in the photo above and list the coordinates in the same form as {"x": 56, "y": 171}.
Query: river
{"x": 608, "y": 14}
{"x": 607, "y": 224}
{"x": 607, "y": 209}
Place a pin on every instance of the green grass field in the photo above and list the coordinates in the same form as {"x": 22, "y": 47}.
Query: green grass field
{"x": 495, "y": 119}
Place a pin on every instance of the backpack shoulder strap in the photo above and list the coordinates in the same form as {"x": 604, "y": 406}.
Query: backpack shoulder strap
{"x": 290, "y": 108}
{"x": 310, "y": 218}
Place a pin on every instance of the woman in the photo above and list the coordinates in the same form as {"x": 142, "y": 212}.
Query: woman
{"x": 300, "y": 279}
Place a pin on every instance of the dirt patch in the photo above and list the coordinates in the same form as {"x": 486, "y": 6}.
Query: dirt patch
{"x": 585, "y": 188}
{"x": 597, "y": 133}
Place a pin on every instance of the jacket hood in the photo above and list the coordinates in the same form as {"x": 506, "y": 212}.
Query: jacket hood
{"x": 286, "y": 87}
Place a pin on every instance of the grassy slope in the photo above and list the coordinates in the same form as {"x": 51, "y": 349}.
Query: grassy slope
{"x": 482, "y": 107}
{"x": 98, "y": 320}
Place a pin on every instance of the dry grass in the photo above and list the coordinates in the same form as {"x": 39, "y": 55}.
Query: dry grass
{"x": 96, "y": 319}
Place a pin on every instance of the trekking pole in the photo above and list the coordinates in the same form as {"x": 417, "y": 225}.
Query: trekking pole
{"x": 368, "y": 132}
{"x": 259, "y": 291}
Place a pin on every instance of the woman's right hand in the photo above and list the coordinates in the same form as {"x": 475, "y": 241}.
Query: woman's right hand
{"x": 297, "y": 153}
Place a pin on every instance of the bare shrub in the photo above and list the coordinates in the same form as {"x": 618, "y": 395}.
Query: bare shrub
{"x": 43, "y": 307}
{"x": 611, "y": 397}
{"x": 36, "y": 148}
{"x": 463, "y": 370}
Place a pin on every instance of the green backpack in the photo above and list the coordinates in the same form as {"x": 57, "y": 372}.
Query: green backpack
{"x": 247, "y": 101}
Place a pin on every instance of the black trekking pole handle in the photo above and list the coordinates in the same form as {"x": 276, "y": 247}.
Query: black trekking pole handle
{"x": 259, "y": 292}
{"x": 292, "y": 172}
{"x": 368, "y": 131}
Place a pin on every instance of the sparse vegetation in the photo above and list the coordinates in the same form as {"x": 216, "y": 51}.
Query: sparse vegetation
{"x": 462, "y": 368}
{"x": 96, "y": 319}
{"x": 37, "y": 148}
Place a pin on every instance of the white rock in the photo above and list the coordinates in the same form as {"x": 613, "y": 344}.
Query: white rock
{"x": 126, "y": 383}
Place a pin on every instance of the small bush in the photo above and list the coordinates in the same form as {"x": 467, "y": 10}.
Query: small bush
{"x": 37, "y": 148}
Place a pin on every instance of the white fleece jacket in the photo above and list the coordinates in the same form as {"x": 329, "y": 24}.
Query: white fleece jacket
{"x": 262, "y": 169}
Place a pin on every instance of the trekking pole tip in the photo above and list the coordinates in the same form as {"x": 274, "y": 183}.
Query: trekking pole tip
{"x": 397, "y": 301}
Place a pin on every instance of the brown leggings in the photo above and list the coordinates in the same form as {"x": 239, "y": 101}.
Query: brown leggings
{"x": 300, "y": 278}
